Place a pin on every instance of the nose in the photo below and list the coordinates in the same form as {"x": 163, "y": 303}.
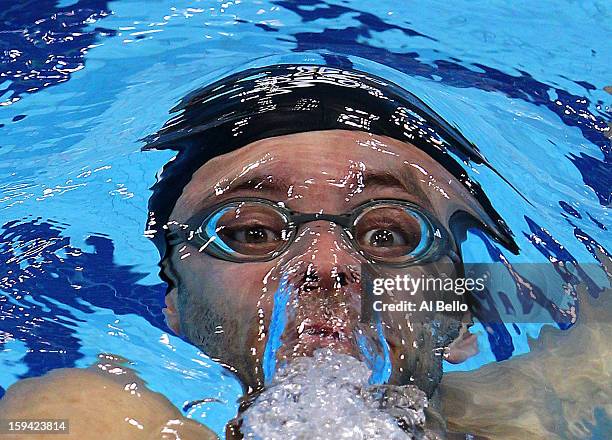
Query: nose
{"x": 322, "y": 258}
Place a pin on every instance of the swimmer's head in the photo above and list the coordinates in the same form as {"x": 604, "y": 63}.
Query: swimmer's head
{"x": 252, "y": 280}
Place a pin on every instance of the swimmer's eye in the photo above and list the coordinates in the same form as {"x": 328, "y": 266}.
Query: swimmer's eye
{"x": 254, "y": 239}
{"x": 384, "y": 238}
{"x": 249, "y": 230}
{"x": 390, "y": 232}
{"x": 252, "y": 235}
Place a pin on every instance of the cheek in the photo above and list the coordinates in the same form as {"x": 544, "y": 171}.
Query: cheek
{"x": 236, "y": 286}
{"x": 229, "y": 293}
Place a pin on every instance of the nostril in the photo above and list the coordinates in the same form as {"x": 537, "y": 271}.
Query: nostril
{"x": 310, "y": 287}
{"x": 311, "y": 277}
{"x": 332, "y": 279}
{"x": 310, "y": 281}
{"x": 341, "y": 279}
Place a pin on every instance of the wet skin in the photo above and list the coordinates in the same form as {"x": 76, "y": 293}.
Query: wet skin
{"x": 107, "y": 400}
{"x": 99, "y": 402}
{"x": 328, "y": 174}
{"x": 225, "y": 307}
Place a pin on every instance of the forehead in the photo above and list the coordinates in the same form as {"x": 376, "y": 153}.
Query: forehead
{"x": 317, "y": 152}
{"x": 321, "y": 166}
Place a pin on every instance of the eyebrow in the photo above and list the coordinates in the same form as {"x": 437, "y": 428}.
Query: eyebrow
{"x": 277, "y": 187}
{"x": 404, "y": 181}
{"x": 386, "y": 179}
{"x": 267, "y": 184}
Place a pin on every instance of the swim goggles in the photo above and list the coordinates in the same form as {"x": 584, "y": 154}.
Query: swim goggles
{"x": 384, "y": 231}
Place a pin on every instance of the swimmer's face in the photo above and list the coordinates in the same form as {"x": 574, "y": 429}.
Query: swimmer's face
{"x": 227, "y": 307}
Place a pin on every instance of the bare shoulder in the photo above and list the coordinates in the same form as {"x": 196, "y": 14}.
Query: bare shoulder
{"x": 107, "y": 400}
{"x": 566, "y": 370}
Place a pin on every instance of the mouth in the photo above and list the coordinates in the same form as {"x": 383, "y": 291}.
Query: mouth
{"x": 321, "y": 330}
{"x": 309, "y": 335}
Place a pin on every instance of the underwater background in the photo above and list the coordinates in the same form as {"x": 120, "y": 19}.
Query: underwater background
{"x": 82, "y": 82}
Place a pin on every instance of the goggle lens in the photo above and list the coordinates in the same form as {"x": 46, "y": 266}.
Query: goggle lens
{"x": 387, "y": 232}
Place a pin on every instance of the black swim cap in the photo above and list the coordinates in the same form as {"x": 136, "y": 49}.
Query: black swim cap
{"x": 283, "y": 99}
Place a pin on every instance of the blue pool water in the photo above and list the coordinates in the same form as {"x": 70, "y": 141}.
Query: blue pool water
{"x": 82, "y": 82}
